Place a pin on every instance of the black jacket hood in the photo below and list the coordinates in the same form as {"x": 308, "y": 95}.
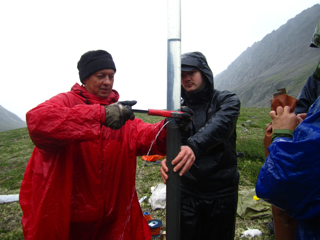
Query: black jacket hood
{"x": 198, "y": 60}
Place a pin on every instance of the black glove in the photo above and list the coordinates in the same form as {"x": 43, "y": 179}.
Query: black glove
{"x": 186, "y": 119}
{"x": 118, "y": 113}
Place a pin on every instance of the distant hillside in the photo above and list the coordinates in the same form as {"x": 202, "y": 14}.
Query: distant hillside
{"x": 9, "y": 120}
{"x": 282, "y": 58}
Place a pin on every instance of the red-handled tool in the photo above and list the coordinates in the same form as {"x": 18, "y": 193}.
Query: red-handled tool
{"x": 161, "y": 113}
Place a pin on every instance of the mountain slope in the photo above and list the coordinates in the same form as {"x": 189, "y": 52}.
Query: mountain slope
{"x": 282, "y": 58}
{"x": 9, "y": 120}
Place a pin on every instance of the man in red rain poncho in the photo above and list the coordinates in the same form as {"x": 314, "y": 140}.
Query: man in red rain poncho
{"x": 80, "y": 180}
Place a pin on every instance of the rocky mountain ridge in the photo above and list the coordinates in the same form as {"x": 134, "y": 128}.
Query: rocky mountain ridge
{"x": 282, "y": 58}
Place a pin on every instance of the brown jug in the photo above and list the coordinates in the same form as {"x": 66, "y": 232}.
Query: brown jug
{"x": 284, "y": 226}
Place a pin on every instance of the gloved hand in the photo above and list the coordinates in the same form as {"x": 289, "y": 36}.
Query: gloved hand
{"x": 186, "y": 119}
{"x": 118, "y": 113}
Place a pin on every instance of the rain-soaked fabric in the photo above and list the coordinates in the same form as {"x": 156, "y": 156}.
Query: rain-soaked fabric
{"x": 289, "y": 178}
{"x": 80, "y": 180}
{"x": 309, "y": 94}
{"x": 211, "y": 135}
{"x": 249, "y": 208}
{"x": 208, "y": 219}
{"x": 211, "y": 184}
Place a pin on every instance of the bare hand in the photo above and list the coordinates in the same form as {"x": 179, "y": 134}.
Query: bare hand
{"x": 163, "y": 170}
{"x": 301, "y": 117}
{"x": 183, "y": 161}
{"x": 283, "y": 119}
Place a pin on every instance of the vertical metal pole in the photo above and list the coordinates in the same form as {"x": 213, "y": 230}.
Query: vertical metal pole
{"x": 173, "y": 131}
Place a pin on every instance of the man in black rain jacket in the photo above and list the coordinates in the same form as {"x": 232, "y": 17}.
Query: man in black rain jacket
{"x": 209, "y": 190}
{"x": 311, "y": 90}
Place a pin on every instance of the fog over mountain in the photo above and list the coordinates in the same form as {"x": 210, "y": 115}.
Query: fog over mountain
{"x": 282, "y": 58}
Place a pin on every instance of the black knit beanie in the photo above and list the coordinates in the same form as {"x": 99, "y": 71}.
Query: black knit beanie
{"x": 94, "y": 61}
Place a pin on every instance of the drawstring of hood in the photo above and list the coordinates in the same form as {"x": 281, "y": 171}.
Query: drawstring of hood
{"x": 81, "y": 94}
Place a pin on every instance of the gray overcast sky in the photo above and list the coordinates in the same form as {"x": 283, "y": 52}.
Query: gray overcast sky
{"x": 42, "y": 41}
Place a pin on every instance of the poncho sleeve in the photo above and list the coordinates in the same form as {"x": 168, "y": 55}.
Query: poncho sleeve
{"x": 60, "y": 121}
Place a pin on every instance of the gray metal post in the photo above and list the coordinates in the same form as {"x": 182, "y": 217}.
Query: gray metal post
{"x": 173, "y": 132}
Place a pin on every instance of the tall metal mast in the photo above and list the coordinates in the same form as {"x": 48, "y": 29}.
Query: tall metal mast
{"x": 173, "y": 131}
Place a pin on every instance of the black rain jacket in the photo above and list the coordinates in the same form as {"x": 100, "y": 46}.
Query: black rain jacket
{"x": 309, "y": 92}
{"x": 211, "y": 136}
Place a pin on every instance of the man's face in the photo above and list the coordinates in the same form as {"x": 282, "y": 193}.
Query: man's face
{"x": 192, "y": 81}
{"x": 100, "y": 83}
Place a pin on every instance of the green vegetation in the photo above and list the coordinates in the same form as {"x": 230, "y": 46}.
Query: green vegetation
{"x": 250, "y": 130}
{"x": 15, "y": 151}
{"x": 16, "y": 148}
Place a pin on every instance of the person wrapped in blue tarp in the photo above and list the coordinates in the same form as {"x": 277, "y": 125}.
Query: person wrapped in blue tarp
{"x": 290, "y": 176}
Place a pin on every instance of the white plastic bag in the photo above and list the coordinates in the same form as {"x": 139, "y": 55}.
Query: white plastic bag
{"x": 9, "y": 198}
{"x": 158, "y": 196}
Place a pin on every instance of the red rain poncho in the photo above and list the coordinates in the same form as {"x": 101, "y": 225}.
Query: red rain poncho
{"x": 80, "y": 180}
